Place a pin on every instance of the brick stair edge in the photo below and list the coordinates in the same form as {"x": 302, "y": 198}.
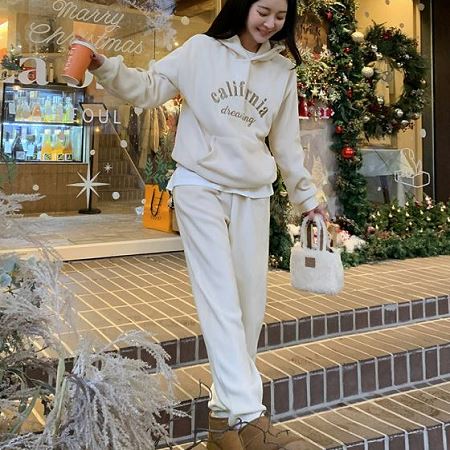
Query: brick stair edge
{"x": 191, "y": 350}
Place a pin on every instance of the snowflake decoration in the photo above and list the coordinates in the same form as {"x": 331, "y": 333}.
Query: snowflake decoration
{"x": 89, "y": 184}
{"x": 158, "y": 14}
{"x": 108, "y": 167}
{"x": 166, "y": 38}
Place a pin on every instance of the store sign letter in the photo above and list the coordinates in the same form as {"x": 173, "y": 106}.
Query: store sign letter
{"x": 88, "y": 116}
{"x": 36, "y": 74}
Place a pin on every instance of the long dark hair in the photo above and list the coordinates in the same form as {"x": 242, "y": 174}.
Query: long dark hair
{"x": 232, "y": 19}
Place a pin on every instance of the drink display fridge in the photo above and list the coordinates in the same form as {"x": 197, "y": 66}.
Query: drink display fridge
{"x": 42, "y": 123}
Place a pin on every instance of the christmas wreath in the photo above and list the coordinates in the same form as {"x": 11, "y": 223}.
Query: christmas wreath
{"x": 400, "y": 52}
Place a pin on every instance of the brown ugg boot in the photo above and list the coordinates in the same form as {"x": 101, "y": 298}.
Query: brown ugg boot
{"x": 260, "y": 434}
{"x": 221, "y": 436}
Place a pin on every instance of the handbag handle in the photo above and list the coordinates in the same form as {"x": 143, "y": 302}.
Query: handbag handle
{"x": 154, "y": 214}
{"x": 306, "y": 233}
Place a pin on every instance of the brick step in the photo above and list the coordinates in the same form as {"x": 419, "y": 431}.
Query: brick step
{"x": 375, "y": 297}
{"x": 417, "y": 419}
{"x": 317, "y": 375}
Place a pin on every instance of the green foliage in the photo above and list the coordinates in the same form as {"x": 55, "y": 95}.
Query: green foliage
{"x": 395, "y": 232}
{"x": 280, "y": 242}
{"x": 399, "y": 247}
{"x": 349, "y": 111}
{"x": 158, "y": 170}
{"x": 11, "y": 61}
{"x": 392, "y": 232}
{"x": 160, "y": 165}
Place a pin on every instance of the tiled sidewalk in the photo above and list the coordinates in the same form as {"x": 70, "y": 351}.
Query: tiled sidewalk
{"x": 152, "y": 293}
{"x": 80, "y": 237}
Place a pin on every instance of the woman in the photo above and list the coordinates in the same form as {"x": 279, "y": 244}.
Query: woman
{"x": 238, "y": 90}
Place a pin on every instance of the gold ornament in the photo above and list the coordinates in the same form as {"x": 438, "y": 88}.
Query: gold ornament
{"x": 367, "y": 72}
{"x": 357, "y": 37}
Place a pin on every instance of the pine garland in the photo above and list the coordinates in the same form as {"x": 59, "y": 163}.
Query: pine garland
{"x": 279, "y": 240}
{"x": 349, "y": 109}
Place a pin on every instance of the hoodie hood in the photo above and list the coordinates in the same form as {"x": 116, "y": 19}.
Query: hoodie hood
{"x": 266, "y": 51}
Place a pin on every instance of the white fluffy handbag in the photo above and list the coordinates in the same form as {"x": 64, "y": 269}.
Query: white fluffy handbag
{"x": 316, "y": 267}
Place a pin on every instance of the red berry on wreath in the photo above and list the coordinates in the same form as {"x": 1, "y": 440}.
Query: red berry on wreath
{"x": 329, "y": 16}
{"x": 350, "y": 93}
{"x": 339, "y": 129}
{"x": 347, "y": 50}
{"x": 348, "y": 152}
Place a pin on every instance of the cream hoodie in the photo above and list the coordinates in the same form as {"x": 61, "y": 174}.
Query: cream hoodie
{"x": 233, "y": 100}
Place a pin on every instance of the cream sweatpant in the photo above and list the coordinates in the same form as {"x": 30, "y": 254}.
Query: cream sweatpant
{"x": 226, "y": 244}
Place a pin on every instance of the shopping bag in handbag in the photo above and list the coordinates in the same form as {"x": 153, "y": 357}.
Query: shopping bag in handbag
{"x": 157, "y": 214}
{"x": 316, "y": 267}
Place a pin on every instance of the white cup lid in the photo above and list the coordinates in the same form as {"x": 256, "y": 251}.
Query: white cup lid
{"x": 86, "y": 44}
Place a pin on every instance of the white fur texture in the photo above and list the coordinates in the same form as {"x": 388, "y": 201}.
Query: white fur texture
{"x": 327, "y": 277}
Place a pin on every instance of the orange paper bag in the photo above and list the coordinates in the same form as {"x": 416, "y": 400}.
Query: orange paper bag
{"x": 157, "y": 214}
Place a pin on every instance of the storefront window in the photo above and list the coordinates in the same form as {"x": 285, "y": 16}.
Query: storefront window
{"x": 71, "y": 129}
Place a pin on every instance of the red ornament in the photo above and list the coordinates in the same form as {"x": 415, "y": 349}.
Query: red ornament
{"x": 348, "y": 152}
{"x": 350, "y": 93}
{"x": 329, "y": 16}
{"x": 347, "y": 50}
{"x": 339, "y": 129}
{"x": 303, "y": 108}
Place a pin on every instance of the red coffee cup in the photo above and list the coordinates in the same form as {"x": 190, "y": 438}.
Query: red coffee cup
{"x": 80, "y": 56}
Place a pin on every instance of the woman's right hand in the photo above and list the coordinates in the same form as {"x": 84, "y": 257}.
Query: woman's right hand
{"x": 97, "y": 59}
